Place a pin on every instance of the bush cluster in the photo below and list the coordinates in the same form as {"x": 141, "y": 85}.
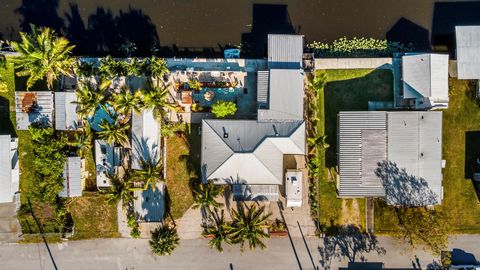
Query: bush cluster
{"x": 359, "y": 47}
{"x": 111, "y": 68}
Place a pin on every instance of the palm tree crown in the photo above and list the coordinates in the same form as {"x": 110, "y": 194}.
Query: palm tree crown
{"x": 204, "y": 195}
{"x": 151, "y": 173}
{"x": 82, "y": 140}
{"x": 249, "y": 226}
{"x": 43, "y": 54}
{"x": 155, "y": 98}
{"x": 164, "y": 240}
{"x": 113, "y": 133}
{"x": 124, "y": 102}
{"x": 120, "y": 189}
{"x": 218, "y": 231}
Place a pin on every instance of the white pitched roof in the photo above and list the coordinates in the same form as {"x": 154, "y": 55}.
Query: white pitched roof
{"x": 9, "y": 173}
{"x": 66, "y": 111}
{"x": 72, "y": 178}
{"x": 285, "y": 51}
{"x": 145, "y": 138}
{"x": 468, "y": 51}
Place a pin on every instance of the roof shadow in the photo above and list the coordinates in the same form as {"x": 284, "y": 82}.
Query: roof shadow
{"x": 406, "y": 32}
{"x": 266, "y": 19}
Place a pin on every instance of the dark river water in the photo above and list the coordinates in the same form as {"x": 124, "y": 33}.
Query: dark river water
{"x": 204, "y": 25}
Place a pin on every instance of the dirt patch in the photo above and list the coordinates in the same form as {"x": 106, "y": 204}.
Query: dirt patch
{"x": 350, "y": 212}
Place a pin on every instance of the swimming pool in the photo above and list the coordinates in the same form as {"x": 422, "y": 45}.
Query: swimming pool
{"x": 101, "y": 114}
{"x": 226, "y": 94}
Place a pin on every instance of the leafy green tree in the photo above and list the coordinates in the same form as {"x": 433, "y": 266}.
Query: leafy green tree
{"x": 150, "y": 174}
{"x": 119, "y": 189}
{"x": 249, "y": 226}
{"x": 43, "y": 55}
{"x": 218, "y": 231}
{"x": 168, "y": 129}
{"x": 318, "y": 141}
{"x": 222, "y": 109}
{"x": 111, "y": 68}
{"x": 133, "y": 224}
{"x": 113, "y": 133}
{"x": 82, "y": 140}
{"x": 164, "y": 240}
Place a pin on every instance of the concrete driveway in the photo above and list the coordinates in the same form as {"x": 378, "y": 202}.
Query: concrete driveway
{"x": 9, "y": 226}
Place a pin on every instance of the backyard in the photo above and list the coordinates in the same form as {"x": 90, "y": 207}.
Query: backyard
{"x": 183, "y": 163}
{"x": 345, "y": 90}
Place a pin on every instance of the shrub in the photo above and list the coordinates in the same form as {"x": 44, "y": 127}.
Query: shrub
{"x": 222, "y": 109}
{"x": 164, "y": 240}
{"x": 133, "y": 224}
{"x": 358, "y": 47}
{"x": 278, "y": 226}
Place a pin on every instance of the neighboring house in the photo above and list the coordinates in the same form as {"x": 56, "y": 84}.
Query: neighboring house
{"x": 396, "y": 155}
{"x": 72, "y": 175}
{"x": 250, "y": 154}
{"x": 145, "y": 138}
{"x": 107, "y": 159}
{"x": 468, "y": 52}
{"x": 149, "y": 205}
{"x": 9, "y": 172}
{"x": 66, "y": 111}
{"x": 425, "y": 80}
{"x": 33, "y": 107}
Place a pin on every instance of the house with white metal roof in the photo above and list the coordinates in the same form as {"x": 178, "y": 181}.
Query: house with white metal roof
{"x": 33, "y": 107}
{"x": 249, "y": 154}
{"x": 425, "y": 80}
{"x": 468, "y": 52}
{"x": 145, "y": 138}
{"x": 394, "y": 155}
{"x": 107, "y": 159}
{"x": 66, "y": 117}
{"x": 9, "y": 168}
{"x": 72, "y": 178}
{"x": 149, "y": 204}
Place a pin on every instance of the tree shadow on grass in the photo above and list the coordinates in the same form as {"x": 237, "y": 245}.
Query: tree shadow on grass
{"x": 6, "y": 126}
{"x": 352, "y": 95}
{"x": 347, "y": 241}
{"x": 472, "y": 158}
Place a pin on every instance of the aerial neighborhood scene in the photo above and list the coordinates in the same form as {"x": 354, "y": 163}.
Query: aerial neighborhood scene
{"x": 236, "y": 135}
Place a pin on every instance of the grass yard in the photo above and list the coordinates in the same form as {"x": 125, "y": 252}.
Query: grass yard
{"x": 345, "y": 90}
{"x": 183, "y": 164}
{"x": 93, "y": 217}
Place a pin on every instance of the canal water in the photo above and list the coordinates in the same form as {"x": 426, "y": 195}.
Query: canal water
{"x": 209, "y": 25}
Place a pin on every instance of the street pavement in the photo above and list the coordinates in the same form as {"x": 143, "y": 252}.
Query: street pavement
{"x": 195, "y": 254}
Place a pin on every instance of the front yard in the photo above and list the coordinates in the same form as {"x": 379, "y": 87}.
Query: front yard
{"x": 345, "y": 90}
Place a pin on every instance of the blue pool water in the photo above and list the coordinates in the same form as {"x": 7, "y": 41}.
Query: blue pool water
{"x": 101, "y": 114}
{"x": 225, "y": 94}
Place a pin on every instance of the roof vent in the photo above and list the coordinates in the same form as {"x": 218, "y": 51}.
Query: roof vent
{"x": 275, "y": 130}
{"x": 225, "y": 134}
{"x": 421, "y": 154}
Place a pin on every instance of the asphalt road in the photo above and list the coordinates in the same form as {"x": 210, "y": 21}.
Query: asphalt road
{"x": 195, "y": 254}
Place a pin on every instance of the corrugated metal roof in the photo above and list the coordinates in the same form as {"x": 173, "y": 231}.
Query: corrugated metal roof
{"x": 145, "y": 138}
{"x": 262, "y": 88}
{"x": 468, "y": 51}
{"x": 72, "y": 175}
{"x": 252, "y": 153}
{"x": 41, "y": 112}
{"x": 425, "y": 75}
{"x": 66, "y": 111}
{"x": 285, "y": 51}
{"x": 286, "y": 93}
{"x": 255, "y": 192}
{"x": 352, "y": 155}
{"x": 104, "y": 162}
{"x": 149, "y": 205}
{"x": 8, "y": 168}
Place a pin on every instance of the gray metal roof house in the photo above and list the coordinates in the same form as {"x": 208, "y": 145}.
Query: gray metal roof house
{"x": 107, "y": 159}
{"x": 72, "y": 178}
{"x": 33, "y": 107}
{"x": 149, "y": 204}
{"x": 425, "y": 80}
{"x": 249, "y": 154}
{"x": 66, "y": 111}
{"x": 145, "y": 138}
{"x": 396, "y": 155}
{"x": 9, "y": 168}
{"x": 468, "y": 52}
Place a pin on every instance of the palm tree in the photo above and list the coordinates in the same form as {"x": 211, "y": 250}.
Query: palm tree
{"x": 90, "y": 96}
{"x": 318, "y": 82}
{"x": 43, "y": 54}
{"x": 249, "y": 227}
{"x": 82, "y": 140}
{"x": 164, "y": 240}
{"x": 124, "y": 102}
{"x": 157, "y": 68}
{"x": 150, "y": 174}
{"x": 204, "y": 196}
{"x": 119, "y": 189}
{"x": 218, "y": 231}
{"x": 155, "y": 99}
{"x": 318, "y": 140}
{"x": 113, "y": 133}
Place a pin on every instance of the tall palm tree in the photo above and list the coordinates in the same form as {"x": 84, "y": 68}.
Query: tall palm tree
{"x": 204, "y": 196}
{"x": 164, "y": 240}
{"x": 218, "y": 231}
{"x": 155, "y": 99}
{"x": 43, "y": 54}
{"x": 119, "y": 189}
{"x": 125, "y": 102}
{"x": 150, "y": 174}
{"x": 89, "y": 96}
{"x": 249, "y": 226}
{"x": 113, "y": 133}
{"x": 82, "y": 140}
{"x": 157, "y": 68}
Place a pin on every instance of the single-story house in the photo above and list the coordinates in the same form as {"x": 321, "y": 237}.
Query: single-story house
{"x": 72, "y": 178}
{"x": 33, "y": 107}
{"x": 250, "y": 154}
{"x": 468, "y": 52}
{"x": 425, "y": 80}
{"x": 145, "y": 138}
{"x": 149, "y": 204}
{"x": 9, "y": 168}
{"x": 66, "y": 117}
{"x": 394, "y": 155}
{"x": 107, "y": 159}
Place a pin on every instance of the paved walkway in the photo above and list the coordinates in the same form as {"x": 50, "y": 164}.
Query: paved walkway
{"x": 9, "y": 225}
{"x": 195, "y": 254}
{"x": 189, "y": 225}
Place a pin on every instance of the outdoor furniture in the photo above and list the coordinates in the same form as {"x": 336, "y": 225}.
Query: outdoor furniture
{"x": 187, "y": 97}
{"x": 209, "y": 95}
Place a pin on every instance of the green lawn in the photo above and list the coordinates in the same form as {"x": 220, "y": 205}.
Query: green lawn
{"x": 345, "y": 90}
{"x": 183, "y": 164}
